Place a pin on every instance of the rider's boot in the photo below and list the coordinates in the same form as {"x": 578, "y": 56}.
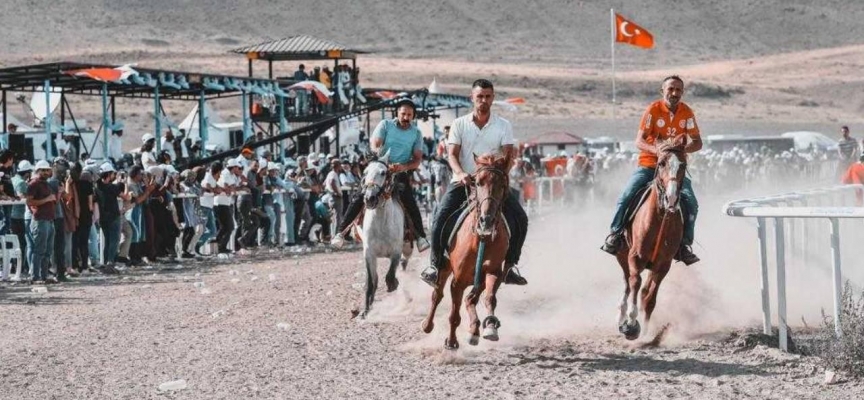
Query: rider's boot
{"x": 338, "y": 241}
{"x": 685, "y": 255}
{"x": 430, "y": 276}
{"x": 613, "y": 243}
{"x": 422, "y": 244}
{"x": 512, "y": 277}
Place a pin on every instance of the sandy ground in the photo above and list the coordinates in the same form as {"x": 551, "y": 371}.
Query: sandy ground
{"x": 278, "y": 325}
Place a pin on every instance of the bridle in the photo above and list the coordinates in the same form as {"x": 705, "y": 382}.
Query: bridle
{"x": 661, "y": 189}
{"x": 496, "y": 203}
{"x": 381, "y": 190}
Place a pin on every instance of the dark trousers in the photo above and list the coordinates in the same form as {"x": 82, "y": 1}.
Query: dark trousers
{"x": 226, "y": 226}
{"x": 250, "y": 222}
{"x": 57, "y": 258}
{"x": 188, "y": 234}
{"x": 452, "y": 202}
{"x": 149, "y": 246}
{"x": 80, "y": 244}
{"x": 18, "y": 228}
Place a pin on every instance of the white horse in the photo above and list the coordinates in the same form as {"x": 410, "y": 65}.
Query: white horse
{"x": 383, "y": 229}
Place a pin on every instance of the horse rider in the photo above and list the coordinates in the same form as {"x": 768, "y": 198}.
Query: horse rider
{"x": 403, "y": 140}
{"x": 480, "y": 132}
{"x": 664, "y": 119}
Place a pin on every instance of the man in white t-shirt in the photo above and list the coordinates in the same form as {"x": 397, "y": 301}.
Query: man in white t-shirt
{"x": 333, "y": 186}
{"x": 480, "y": 132}
{"x": 148, "y": 157}
{"x": 223, "y": 204}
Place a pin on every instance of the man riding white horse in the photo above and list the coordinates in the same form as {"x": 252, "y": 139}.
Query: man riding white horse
{"x": 404, "y": 143}
{"x": 480, "y": 132}
{"x": 664, "y": 119}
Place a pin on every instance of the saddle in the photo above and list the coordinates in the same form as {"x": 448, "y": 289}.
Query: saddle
{"x": 452, "y": 226}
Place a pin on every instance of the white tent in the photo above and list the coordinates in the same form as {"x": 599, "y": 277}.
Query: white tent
{"x": 218, "y": 131}
{"x": 805, "y": 139}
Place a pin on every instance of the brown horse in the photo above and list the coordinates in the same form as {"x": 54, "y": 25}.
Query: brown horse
{"x": 653, "y": 238}
{"x": 483, "y": 224}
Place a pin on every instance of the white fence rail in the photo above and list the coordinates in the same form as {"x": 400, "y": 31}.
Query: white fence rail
{"x": 832, "y": 203}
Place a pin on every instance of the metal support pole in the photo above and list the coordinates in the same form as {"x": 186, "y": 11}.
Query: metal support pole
{"x": 766, "y": 295}
{"x": 157, "y": 112}
{"x": 269, "y": 69}
{"x": 283, "y": 125}
{"x": 105, "y": 124}
{"x": 202, "y": 123}
{"x": 49, "y": 145}
{"x": 337, "y": 139}
{"x": 780, "y": 244}
{"x": 62, "y": 111}
{"x": 246, "y": 128}
{"x": 5, "y": 123}
{"x": 836, "y": 274}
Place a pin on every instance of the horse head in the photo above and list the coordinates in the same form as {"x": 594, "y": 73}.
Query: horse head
{"x": 671, "y": 169}
{"x": 376, "y": 177}
{"x": 491, "y": 184}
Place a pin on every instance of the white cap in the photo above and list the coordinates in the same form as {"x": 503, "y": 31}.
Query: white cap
{"x": 327, "y": 199}
{"x": 274, "y": 167}
{"x": 147, "y": 137}
{"x": 322, "y": 156}
{"x": 232, "y": 163}
{"x": 42, "y": 164}
{"x": 25, "y": 166}
{"x": 107, "y": 167}
{"x": 262, "y": 163}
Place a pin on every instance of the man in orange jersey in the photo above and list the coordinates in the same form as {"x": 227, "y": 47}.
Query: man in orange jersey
{"x": 663, "y": 120}
{"x": 855, "y": 175}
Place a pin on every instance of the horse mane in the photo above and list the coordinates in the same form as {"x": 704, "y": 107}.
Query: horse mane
{"x": 491, "y": 160}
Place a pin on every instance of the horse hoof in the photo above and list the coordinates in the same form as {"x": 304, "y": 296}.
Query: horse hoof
{"x": 631, "y": 332}
{"x": 392, "y": 286}
{"x": 428, "y": 326}
{"x": 474, "y": 340}
{"x": 490, "y": 333}
{"x": 451, "y": 346}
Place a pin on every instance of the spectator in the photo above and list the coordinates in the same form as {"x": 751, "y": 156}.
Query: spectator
{"x": 209, "y": 188}
{"x": 17, "y": 224}
{"x": 83, "y": 186}
{"x": 7, "y": 162}
{"x": 109, "y": 194}
{"x": 333, "y": 187}
{"x": 139, "y": 188}
{"x": 193, "y": 223}
{"x": 148, "y": 157}
{"x": 247, "y": 200}
{"x": 302, "y": 100}
{"x": 847, "y": 151}
{"x": 41, "y": 203}
{"x": 65, "y": 217}
{"x": 223, "y": 204}
{"x": 167, "y": 144}
{"x": 115, "y": 143}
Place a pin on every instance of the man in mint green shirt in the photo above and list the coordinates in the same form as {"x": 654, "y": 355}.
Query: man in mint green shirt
{"x": 404, "y": 141}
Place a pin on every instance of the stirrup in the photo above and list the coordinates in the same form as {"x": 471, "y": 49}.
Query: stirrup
{"x": 430, "y": 276}
{"x": 422, "y": 244}
{"x": 337, "y": 241}
{"x": 513, "y": 277}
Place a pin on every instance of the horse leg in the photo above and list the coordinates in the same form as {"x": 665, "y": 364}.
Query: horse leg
{"x": 471, "y": 306}
{"x": 622, "y": 306}
{"x": 491, "y": 322}
{"x": 649, "y": 298}
{"x": 437, "y": 295}
{"x": 407, "y": 249}
{"x": 371, "y": 280}
{"x": 390, "y": 278}
{"x": 457, "y": 290}
{"x": 631, "y": 328}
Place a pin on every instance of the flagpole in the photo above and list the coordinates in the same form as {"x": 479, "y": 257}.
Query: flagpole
{"x": 612, "y": 15}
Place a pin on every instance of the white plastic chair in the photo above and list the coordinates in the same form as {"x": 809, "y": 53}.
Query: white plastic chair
{"x": 9, "y": 254}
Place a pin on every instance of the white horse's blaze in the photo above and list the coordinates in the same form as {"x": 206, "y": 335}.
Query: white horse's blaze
{"x": 672, "y": 186}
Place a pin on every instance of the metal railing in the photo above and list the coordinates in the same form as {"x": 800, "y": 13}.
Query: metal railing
{"x": 832, "y": 203}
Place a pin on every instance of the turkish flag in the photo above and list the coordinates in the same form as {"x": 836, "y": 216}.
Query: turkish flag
{"x": 628, "y": 32}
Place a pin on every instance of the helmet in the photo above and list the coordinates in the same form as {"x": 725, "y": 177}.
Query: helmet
{"x": 147, "y": 137}
{"x": 25, "y": 166}
{"x": 42, "y": 164}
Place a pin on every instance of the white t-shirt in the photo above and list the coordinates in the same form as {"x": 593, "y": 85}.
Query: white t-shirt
{"x": 331, "y": 181}
{"x": 463, "y": 131}
{"x": 226, "y": 180}
{"x": 148, "y": 159}
{"x": 169, "y": 148}
{"x": 207, "y": 199}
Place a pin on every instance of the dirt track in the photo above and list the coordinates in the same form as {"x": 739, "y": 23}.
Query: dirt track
{"x": 122, "y": 337}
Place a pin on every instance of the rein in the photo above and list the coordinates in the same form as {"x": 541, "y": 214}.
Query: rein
{"x": 661, "y": 198}
{"x": 495, "y": 202}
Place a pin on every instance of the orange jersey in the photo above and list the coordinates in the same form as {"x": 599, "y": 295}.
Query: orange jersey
{"x": 855, "y": 174}
{"x": 658, "y": 122}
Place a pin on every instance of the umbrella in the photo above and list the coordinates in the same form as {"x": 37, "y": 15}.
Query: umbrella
{"x": 316, "y": 87}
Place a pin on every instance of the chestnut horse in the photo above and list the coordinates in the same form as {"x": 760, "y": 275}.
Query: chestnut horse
{"x": 653, "y": 238}
{"x": 482, "y": 231}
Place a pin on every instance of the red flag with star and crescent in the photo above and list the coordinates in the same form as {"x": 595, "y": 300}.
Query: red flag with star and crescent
{"x": 628, "y": 32}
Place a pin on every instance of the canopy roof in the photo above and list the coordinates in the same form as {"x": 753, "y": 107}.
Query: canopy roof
{"x": 302, "y": 47}
{"x": 141, "y": 83}
{"x": 557, "y": 138}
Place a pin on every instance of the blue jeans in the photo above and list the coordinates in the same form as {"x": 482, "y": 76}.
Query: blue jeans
{"x": 42, "y": 232}
{"x": 111, "y": 233}
{"x": 94, "y": 245}
{"x": 642, "y": 177}
{"x": 209, "y": 226}
{"x": 28, "y": 237}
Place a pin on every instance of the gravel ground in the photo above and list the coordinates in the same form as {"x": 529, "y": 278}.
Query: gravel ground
{"x": 278, "y": 325}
